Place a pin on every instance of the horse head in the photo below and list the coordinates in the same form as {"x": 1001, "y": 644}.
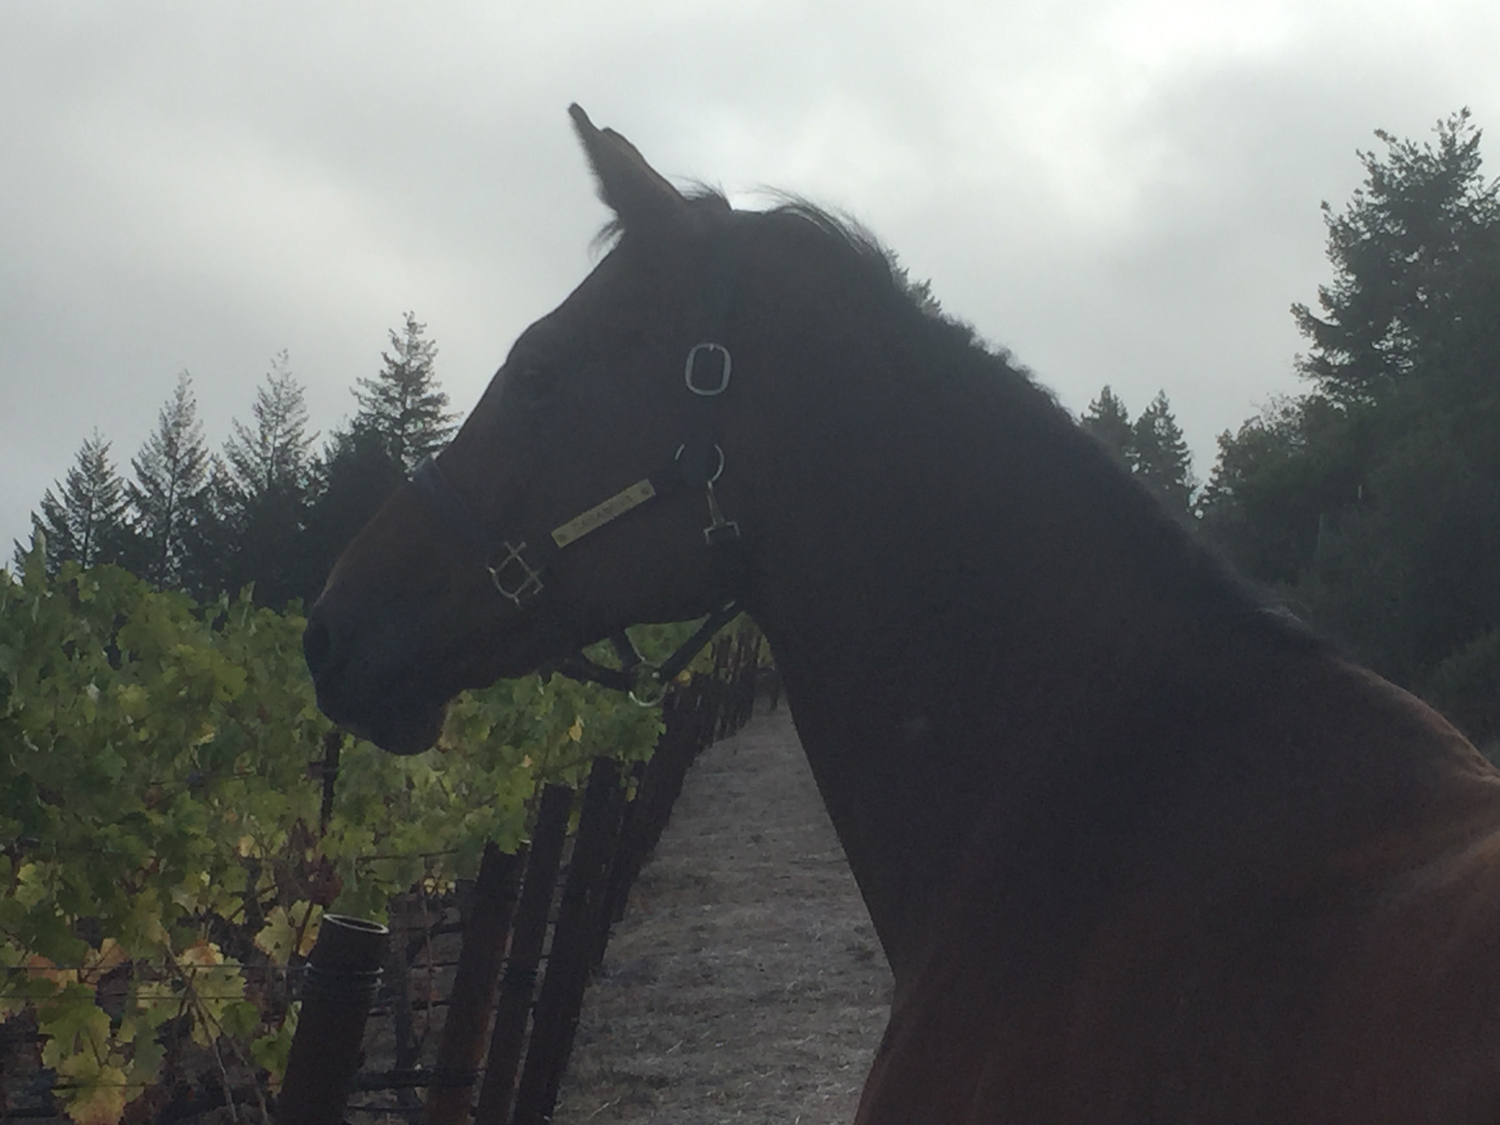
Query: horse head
{"x": 594, "y": 486}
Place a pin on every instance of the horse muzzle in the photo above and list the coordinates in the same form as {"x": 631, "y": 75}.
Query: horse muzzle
{"x": 364, "y": 689}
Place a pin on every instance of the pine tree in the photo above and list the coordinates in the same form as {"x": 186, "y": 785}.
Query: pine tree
{"x": 85, "y": 518}
{"x": 167, "y": 496}
{"x": 1159, "y": 455}
{"x": 275, "y": 455}
{"x": 263, "y": 493}
{"x": 1152, "y": 446}
{"x": 1416, "y": 284}
{"x": 403, "y": 404}
{"x": 1108, "y": 420}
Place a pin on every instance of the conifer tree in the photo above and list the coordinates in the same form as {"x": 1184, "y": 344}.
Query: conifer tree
{"x": 167, "y": 495}
{"x": 262, "y": 492}
{"x": 85, "y": 518}
{"x": 275, "y": 455}
{"x": 1152, "y": 446}
{"x": 403, "y": 404}
{"x": 1415, "y": 286}
{"x": 1108, "y": 420}
{"x": 1159, "y": 455}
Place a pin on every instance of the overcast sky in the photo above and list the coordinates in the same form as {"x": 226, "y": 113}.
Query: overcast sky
{"x": 1120, "y": 191}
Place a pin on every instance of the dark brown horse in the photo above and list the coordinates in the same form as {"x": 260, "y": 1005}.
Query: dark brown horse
{"x": 1138, "y": 849}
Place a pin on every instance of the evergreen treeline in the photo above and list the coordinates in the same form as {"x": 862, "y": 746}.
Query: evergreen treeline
{"x": 269, "y": 509}
{"x": 1372, "y": 502}
{"x": 1152, "y": 446}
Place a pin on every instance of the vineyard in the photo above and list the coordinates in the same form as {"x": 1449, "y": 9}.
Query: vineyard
{"x": 176, "y": 816}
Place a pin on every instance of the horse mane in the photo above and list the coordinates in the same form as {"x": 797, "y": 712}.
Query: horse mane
{"x": 953, "y": 348}
{"x": 943, "y": 343}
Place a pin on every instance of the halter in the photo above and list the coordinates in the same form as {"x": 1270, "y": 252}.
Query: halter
{"x": 518, "y": 560}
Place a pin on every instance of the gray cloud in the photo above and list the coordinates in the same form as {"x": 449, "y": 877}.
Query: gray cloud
{"x": 1120, "y": 192}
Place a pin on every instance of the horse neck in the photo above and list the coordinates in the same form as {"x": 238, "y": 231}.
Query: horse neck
{"x": 955, "y": 616}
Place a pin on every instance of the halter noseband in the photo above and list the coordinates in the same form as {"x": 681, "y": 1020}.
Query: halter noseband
{"x": 517, "y": 562}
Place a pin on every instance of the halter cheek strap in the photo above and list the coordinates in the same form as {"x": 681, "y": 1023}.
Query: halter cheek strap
{"x": 517, "y": 561}
{"x": 517, "y": 564}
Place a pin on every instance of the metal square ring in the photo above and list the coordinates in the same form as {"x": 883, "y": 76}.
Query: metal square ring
{"x": 530, "y": 583}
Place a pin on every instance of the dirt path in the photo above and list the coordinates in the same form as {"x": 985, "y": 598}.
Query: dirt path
{"x": 745, "y": 983}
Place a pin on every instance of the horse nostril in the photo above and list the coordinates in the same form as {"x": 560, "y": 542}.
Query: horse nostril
{"x": 317, "y": 644}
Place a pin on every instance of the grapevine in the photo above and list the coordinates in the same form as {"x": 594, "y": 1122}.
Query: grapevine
{"x": 164, "y": 852}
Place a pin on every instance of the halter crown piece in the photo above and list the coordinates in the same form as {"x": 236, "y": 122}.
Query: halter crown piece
{"x": 517, "y": 563}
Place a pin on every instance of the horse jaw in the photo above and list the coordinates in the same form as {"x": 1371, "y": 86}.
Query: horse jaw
{"x": 410, "y": 732}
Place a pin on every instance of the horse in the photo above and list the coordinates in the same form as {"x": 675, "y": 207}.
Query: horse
{"x": 1138, "y": 846}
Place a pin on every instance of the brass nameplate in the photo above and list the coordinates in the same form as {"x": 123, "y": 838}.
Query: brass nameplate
{"x": 600, "y": 514}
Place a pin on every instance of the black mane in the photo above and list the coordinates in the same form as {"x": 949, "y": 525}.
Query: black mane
{"x": 952, "y": 347}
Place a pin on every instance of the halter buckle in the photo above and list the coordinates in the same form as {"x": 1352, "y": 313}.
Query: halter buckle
{"x": 529, "y": 582}
{"x": 719, "y": 531}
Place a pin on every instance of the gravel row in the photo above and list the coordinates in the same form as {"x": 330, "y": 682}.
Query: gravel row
{"x": 745, "y": 983}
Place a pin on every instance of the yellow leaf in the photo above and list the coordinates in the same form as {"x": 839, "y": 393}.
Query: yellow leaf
{"x": 575, "y": 732}
{"x": 200, "y": 955}
{"x": 278, "y": 937}
{"x": 100, "y": 1098}
{"x": 310, "y": 935}
{"x": 39, "y": 967}
{"x": 111, "y": 955}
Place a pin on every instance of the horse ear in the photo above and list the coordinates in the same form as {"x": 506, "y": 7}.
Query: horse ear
{"x": 637, "y": 193}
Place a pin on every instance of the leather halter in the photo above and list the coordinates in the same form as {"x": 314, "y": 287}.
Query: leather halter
{"x": 518, "y": 559}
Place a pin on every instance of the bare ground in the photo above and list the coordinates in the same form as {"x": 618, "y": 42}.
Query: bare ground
{"x": 745, "y": 983}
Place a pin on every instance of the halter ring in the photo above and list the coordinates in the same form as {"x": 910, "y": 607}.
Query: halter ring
{"x": 724, "y": 367}
{"x": 649, "y": 689}
{"x": 717, "y": 472}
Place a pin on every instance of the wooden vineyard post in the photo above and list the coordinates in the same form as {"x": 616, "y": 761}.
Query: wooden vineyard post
{"x": 691, "y": 710}
{"x": 745, "y": 676}
{"x": 343, "y": 972}
{"x": 573, "y": 942}
{"x": 474, "y": 988}
{"x": 608, "y": 853}
{"x": 706, "y": 714}
{"x": 518, "y": 981}
{"x": 656, "y": 793}
{"x": 628, "y": 857}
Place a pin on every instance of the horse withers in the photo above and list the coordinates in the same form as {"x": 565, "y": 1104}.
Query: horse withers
{"x": 1137, "y": 848}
